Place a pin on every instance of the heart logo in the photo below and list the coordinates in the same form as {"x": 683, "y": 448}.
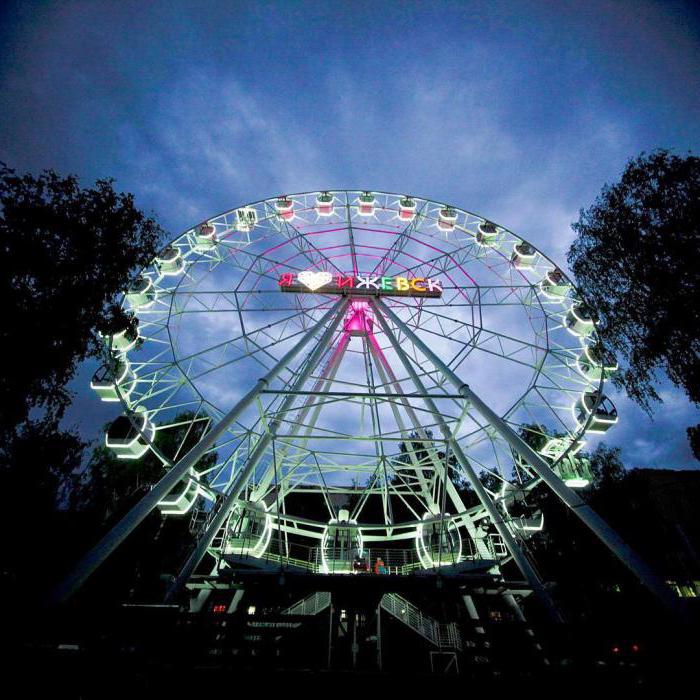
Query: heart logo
{"x": 314, "y": 280}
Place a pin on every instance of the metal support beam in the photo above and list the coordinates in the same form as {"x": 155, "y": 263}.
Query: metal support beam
{"x": 520, "y": 616}
{"x": 97, "y": 555}
{"x": 448, "y": 485}
{"x": 594, "y": 522}
{"x": 473, "y": 614}
{"x": 258, "y": 451}
{"x": 496, "y": 516}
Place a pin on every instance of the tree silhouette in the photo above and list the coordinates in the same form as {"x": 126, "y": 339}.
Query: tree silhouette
{"x": 67, "y": 252}
{"x": 635, "y": 261}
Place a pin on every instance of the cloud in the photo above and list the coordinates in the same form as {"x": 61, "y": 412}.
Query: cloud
{"x": 199, "y": 111}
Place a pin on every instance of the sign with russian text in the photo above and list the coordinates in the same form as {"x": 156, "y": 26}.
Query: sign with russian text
{"x": 321, "y": 282}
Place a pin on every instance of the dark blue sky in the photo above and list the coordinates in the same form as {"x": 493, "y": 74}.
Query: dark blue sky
{"x": 516, "y": 110}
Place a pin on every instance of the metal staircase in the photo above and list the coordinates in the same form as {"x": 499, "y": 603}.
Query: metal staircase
{"x": 444, "y": 636}
{"x": 311, "y": 605}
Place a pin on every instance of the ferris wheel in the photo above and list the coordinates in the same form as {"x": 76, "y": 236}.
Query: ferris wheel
{"x": 354, "y": 372}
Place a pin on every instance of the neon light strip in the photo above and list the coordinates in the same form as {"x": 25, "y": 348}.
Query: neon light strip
{"x": 362, "y": 285}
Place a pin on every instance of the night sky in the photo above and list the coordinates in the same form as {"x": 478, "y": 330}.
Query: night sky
{"x": 518, "y": 111}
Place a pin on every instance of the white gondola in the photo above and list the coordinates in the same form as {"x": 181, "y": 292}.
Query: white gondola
{"x": 366, "y": 205}
{"x": 123, "y": 340}
{"x": 170, "y": 261}
{"x": 285, "y": 208}
{"x": 181, "y": 500}
{"x": 575, "y": 472}
{"x": 554, "y": 285}
{"x": 205, "y": 237}
{"x": 407, "y": 209}
{"x": 249, "y": 529}
{"x": 109, "y": 382}
{"x": 523, "y": 257}
{"x": 519, "y": 514}
{"x": 324, "y": 204}
{"x": 130, "y": 440}
{"x": 141, "y": 294}
{"x": 246, "y": 219}
{"x": 487, "y": 234}
{"x": 579, "y": 320}
{"x": 438, "y": 543}
{"x": 603, "y": 414}
{"x": 447, "y": 218}
{"x": 341, "y": 545}
{"x": 593, "y": 363}
{"x": 532, "y": 523}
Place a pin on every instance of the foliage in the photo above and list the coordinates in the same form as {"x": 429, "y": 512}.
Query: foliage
{"x": 535, "y": 435}
{"x": 490, "y": 481}
{"x": 635, "y": 261}
{"x": 606, "y": 466}
{"x": 694, "y": 438}
{"x": 36, "y": 461}
{"x": 67, "y": 252}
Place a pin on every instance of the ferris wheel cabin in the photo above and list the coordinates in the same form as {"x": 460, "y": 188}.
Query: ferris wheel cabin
{"x": 141, "y": 294}
{"x": 594, "y": 364}
{"x": 554, "y": 285}
{"x": 438, "y": 542}
{"x": 407, "y": 209}
{"x": 447, "y": 218}
{"x": 579, "y": 320}
{"x": 249, "y": 530}
{"x": 487, "y": 234}
{"x": 341, "y": 544}
{"x": 523, "y": 257}
{"x": 114, "y": 381}
{"x": 125, "y": 338}
{"x": 367, "y": 203}
{"x": 599, "y": 408}
{"x": 205, "y": 237}
{"x": 285, "y": 208}
{"x": 130, "y": 438}
{"x": 170, "y": 261}
{"x": 324, "y": 204}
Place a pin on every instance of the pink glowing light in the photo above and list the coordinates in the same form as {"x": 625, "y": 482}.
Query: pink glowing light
{"x": 359, "y": 320}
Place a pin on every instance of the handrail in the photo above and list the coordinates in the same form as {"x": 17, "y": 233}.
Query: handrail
{"x": 440, "y": 634}
{"x": 348, "y": 560}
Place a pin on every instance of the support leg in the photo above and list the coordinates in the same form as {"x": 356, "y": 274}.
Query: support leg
{"x": 520, "y": 616}
{"x": 260, "y": 448}
{"x": 501, "y": 526}
{"x": 594, "y": 522}
{"x": 97, "y": 555}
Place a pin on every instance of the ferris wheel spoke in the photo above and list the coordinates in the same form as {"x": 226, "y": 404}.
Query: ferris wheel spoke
{"x": 400, "y": 242}
{"x": 300, "y": 239}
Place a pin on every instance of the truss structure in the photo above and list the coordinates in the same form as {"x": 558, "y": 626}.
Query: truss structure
{"x": 326, "y": 425}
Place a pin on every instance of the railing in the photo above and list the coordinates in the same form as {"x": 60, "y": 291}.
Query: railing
{"x": 348, "y": 560}
{"x": 378, "y": 560}
{"x": 441, "y": 635}
{"x": 311, "y": 605}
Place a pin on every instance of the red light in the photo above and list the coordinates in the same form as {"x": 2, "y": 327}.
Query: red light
{"x": 219, "y": 608}
{"x": 616, "y": 650}
{"x": 635, "y": 648}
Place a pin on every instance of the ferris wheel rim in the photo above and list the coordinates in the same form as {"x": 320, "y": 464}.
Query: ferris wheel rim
{"x": 348, "y": 192}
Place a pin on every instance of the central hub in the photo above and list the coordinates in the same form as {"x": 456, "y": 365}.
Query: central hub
{"x": 359, "y": 320}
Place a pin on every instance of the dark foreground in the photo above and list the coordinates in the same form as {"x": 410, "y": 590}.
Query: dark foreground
{"x": 135, "y": 651}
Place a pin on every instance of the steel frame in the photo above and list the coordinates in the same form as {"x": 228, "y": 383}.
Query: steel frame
{"x": 212, "y": 327}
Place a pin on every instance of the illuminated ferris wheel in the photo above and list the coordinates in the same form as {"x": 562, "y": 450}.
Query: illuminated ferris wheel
{"x": 355, "y": 377}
